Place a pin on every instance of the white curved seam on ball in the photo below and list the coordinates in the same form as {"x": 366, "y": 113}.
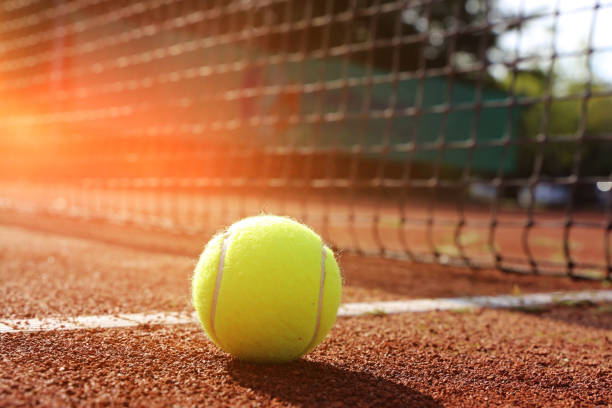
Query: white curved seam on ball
{"x": 213, "y": 308}
{"x": 320, "y": 305}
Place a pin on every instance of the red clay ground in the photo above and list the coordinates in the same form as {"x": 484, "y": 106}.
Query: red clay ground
{"x": 556, "y": 358}
{"x": 376, "y": 223}
{"x": 43, "y": 274}
{"x": 537, "y": 357}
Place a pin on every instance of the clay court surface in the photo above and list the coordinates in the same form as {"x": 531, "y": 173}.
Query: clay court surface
{"x": 558, "y": 355}
{"x": 414, "y": 229}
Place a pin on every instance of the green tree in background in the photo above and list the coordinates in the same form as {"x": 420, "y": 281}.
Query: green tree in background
{"x": 553, "y": 122}
{"x": 424, "y": 26}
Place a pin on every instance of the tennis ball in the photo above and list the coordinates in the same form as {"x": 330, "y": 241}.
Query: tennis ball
{"x": 267, "y": 289}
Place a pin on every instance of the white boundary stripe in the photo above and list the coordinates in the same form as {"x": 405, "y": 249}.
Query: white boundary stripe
{"x": 347, "y": 309}
{"x": 502, "y": 301}
{"x": 4, "y": 328}
{"x": 94, "y": 322}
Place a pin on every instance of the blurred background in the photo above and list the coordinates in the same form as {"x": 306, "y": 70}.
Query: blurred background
{"x": 464, "y": 132}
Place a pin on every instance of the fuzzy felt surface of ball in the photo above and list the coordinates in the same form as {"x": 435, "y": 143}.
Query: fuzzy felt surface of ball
{"x": 267, "y": 289}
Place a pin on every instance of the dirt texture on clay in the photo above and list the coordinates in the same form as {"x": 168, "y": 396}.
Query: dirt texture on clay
{"x": 52, "y": 274}
{"x": 557, "y": 357}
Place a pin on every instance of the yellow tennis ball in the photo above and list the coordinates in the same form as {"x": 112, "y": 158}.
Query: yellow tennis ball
{"x": 267, "y": 289}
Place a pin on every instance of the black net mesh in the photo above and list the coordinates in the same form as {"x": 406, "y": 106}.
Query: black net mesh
{"x": 472, "y": 132}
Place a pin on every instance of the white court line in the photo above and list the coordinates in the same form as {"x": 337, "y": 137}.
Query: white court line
{"x": 347, "y": 309}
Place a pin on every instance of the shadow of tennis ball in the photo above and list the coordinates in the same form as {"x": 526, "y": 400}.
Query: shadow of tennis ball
{"x": 315, "y": 384}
